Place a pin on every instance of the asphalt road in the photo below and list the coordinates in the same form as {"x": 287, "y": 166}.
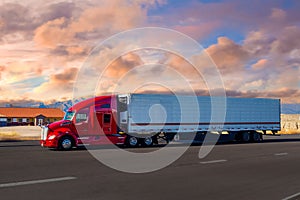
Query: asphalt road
{"x": 268, "y": 170}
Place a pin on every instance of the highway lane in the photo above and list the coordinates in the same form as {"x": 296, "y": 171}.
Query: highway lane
{"x": 268, "y": 170}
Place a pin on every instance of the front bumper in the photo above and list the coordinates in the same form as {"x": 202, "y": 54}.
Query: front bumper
{"x": 49, "y": 143}
{"x": 45, "y": 142}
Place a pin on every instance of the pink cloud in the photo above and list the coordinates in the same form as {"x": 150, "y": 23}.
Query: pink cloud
{"x": 278, "y": 14}
{"x": 94, "y": 22}
{"x": 260, "y": 64}
{"x": 59, "y": 85}
{"x": 197, "y": 31}
{"x": 52, "y": 39}
{"x": 123, "y": 65}
{"x": 228, "y": 55}
{"x": 53, "y": 33}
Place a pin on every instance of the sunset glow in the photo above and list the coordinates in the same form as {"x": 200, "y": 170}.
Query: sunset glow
{"x": 254, "y": 44}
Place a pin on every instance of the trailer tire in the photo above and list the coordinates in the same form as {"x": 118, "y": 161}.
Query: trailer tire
{"x": 245, "y": 136}
{"x": 255, "y": 137}
{"x": 132, "y": 141}
{"x": 65, "y": 143}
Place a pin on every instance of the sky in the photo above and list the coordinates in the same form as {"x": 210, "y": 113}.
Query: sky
{"x": 255, "y": 46}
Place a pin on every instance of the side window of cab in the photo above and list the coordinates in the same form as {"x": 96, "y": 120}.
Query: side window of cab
{"x": 82, "y": 115}
{"x": 99, "y": 107}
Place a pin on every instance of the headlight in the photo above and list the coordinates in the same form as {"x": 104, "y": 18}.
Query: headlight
{"x": 51, "y": 137}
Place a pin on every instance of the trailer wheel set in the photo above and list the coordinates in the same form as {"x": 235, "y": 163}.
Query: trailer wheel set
{"x": 133, "y": 141}
{"x": 248, "y": 136}
{"x": 241, "y": 136}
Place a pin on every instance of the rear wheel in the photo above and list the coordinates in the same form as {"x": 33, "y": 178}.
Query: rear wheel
{"x": 147, "y": 141}
{"x": 65, "y": 143}
{"x": 132, "y": 141}
{"x": 255, "y": 137}
{"x": 246, "y": 137}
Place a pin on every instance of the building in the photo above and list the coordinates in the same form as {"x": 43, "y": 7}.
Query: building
{"x": 29, "y": 116}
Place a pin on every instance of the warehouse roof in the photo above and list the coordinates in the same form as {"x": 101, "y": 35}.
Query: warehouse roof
{"x": 31, "y": 112}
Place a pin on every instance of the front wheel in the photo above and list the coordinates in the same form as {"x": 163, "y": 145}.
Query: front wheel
{"x": 65, "y": 143}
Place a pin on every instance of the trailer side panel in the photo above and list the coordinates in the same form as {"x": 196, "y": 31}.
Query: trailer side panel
{"x": 148, "y": 113}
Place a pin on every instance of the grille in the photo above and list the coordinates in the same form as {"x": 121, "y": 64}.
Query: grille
{"x": 44, "y": 133}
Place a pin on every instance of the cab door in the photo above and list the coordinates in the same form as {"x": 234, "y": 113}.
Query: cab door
{"x": 105, "y": 121}
{"x": 105, "y": 118}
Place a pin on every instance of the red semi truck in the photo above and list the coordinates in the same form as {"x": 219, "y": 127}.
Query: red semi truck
{"x": 126, "y": 120}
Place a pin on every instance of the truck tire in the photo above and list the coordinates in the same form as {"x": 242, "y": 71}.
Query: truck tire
{"x": 65, "y": 143}
{"x": 255, "y": 137}
{"x": 147, "y": 141}
{"x": 246, "y": 137}
{"x": 132, "y": 141}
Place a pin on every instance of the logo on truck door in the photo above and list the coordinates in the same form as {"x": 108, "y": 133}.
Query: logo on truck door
{"x": 160, "y": 61}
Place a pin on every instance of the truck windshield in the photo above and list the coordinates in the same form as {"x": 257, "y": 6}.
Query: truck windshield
{"x": 69, "y": 115}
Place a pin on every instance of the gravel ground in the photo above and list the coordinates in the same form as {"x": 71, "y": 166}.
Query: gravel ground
{"x": 20, "y": 133}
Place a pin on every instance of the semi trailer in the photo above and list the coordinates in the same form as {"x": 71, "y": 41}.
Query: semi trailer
{"x": 146, "y": 119}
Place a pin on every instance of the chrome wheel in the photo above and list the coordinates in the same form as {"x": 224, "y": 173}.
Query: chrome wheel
{"x": 66, "y": 143}
{"x": 132, "y": 141}
{"x": 148, "y": 141}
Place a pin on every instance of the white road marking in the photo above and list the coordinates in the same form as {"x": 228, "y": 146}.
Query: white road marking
{"x": 212, "y": 161}
{"x": 3, "y": 185}
{"x": 281, "y": 154}
{"x": 292, "y": 196}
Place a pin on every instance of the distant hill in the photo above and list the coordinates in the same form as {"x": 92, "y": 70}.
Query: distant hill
{"x": 64, "y": 105}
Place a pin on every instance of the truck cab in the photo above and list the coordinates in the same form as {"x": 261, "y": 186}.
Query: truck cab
{"x": 89, "y": 122}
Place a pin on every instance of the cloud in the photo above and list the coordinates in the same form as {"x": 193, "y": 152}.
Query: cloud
{"x": 228, "y": 55}
{"x": 260, "y": 64}
{"x": 125, "y": 65}
{"x": 15, "y": 18}
{"x": 22, "y": 102}
{"x": 18, "y": 71}
{"x": 59, "y": 86}
{"x": 197, "y": 31}
{"x": 68, "y": 75}
{"x": 2, "y": 69}
{"x": 278, "y": 14}
{"x": 59, "y": 10}
{"x": 76, "y": 50}
{"x": 257, "y": 51}
{"x": 53, "y": 33}
{"x": 259, "y": 42}
{"x": 285, "y": 94}
{"x": 287, "y": 40}
{"x": 92, "y": 23}
{"x": 271, "y": 73}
